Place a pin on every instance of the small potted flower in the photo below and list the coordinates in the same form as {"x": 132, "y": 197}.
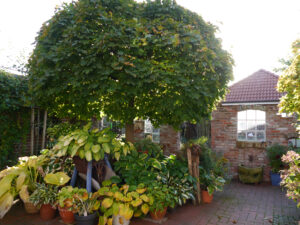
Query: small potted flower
{"x": 209, "y": 184}
{"x": 45, "y": 194}
{"x": 120, "y": 204}
{"x": 274, "y": 153}
{"x": 65, "y": 204}
{"x": 85, "y": 205}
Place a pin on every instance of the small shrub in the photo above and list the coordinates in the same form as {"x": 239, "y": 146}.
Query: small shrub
{"x": 291, "y": 176}
{"x": 274, "y": 153}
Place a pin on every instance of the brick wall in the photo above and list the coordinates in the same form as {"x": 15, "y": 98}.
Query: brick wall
{"x": 224, "y": 134}
{"x": 169, "y": 138}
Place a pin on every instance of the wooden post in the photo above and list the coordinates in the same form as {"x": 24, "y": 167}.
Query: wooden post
{"x": 44, "y": 129}
{"x": 190, "y": 165}
{"x": 32, "y": 132}
{"x": 37, "y": 130}
{"x": 198, "y": 180}
{"x": 189, "y": 157}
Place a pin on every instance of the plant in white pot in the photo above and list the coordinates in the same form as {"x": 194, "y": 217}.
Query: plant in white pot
{"x": 120, "y": 204}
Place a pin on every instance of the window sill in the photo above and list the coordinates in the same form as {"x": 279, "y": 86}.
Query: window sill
{"x": 248, "y": 144}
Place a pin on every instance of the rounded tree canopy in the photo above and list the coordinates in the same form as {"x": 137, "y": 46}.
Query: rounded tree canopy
{"x": 129, "y": 60}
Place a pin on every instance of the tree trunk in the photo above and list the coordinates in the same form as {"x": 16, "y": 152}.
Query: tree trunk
{"x": 129, "y": 132}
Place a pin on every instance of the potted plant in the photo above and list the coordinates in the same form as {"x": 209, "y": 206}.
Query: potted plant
{"x": 85, "y": 206}
{"x": 45, "y": 194}
{"x": 209, "y": 184}
{"x": 65, "y": 203}
{"x": 44, "y": 197}
{"x": 274, "y": 153}
{"x": 162, "y": 199}
{"x": 120, "y": 204}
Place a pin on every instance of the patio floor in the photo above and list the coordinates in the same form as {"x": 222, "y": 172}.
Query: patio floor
{"x": 238, "y": 204}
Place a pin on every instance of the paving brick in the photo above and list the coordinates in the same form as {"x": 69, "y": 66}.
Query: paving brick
{"x": 234, "y": 206}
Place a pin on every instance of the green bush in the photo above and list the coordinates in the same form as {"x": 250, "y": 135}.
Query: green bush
{"x": 14, "y": 117}
{"x": 274, "y": 153}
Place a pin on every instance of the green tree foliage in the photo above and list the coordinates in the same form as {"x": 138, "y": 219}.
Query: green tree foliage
{"x": 129, "y": 60}
{"x": 289, "y": 82}
{"x": 14, "y": 117}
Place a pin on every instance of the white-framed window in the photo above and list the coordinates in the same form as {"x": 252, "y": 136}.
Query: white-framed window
{"x": 251, "y": 126}
{"x": 152, "y": 131}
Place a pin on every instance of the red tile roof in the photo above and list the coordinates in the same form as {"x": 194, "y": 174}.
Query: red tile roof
{"x": 258, "y": 87}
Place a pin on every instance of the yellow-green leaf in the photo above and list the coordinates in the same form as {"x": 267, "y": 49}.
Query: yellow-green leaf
{"x": 106, "y": 147}
{"x": 107, "y": 202}
{"x": 145, "y": 208}
{"x": 95, "y": 148}
{"x": 58, "y": 178}
{"x": 88, "y": 156}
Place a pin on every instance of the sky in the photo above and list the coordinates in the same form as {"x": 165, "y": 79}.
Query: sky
{"x": 257, "y": 33}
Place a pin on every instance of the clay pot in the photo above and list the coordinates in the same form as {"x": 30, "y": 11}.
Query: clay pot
{"x": 158, "y": 214}
{"x": 206, "y": 198}
{"x": 66, "y": 215}
{"x": 47, "y": 212}
{"x": 30, "y": 208}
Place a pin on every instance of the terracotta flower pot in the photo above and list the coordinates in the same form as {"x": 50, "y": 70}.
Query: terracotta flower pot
{"x": 158, "y": 214}
{"x": 47, "y": 212}
{"x": 66, "y": 215}
{"x": 206, "y": 198}
{"x": 30, "y": 208}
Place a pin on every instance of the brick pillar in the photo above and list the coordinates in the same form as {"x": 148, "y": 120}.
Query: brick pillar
{"x": 169, "y": 139}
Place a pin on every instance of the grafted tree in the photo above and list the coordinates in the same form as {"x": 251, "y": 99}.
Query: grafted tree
{"x": 130, "y": 60}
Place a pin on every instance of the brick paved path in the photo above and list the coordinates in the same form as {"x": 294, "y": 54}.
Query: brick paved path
{"x": 238, "y": 204}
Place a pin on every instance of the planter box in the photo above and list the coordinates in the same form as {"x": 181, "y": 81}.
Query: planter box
{"x": 249, "y": 175}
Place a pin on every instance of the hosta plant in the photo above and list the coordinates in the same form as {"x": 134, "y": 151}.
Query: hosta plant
{"x": 176, "y": 176}
{"x": 126, "y": 201}
{"x": 85, "y": 203}
{"x": 162, "y": 196}
{"x": 91, "y": 144}
{"x": 19, "y": 180}
{"x": 291, "y": 176}
{"x": 210, "y": 182}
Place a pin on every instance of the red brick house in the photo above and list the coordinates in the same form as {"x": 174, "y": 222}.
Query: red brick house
{"x": 248, "y": 121}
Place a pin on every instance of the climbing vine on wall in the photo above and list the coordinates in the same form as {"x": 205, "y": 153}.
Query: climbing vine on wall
{"x": 14, "y": 117}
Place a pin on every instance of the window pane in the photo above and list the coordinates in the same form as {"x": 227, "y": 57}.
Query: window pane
{"x": 261, "y": 125}
{"x": 251, "y": 136}
{"x": 155, "y": 130}
{"x": 260, "y": 136}
{"x": 260, "y": 115}
{"x": 250, "y": 114}
{"x": 155, "y": 138}
{"x": 251, "y": 125}
{"x": 148, "y": 126}
{"x": 241, "y": 136}
{"x": 242, "y": 125}
{"x": 242, "y": 115}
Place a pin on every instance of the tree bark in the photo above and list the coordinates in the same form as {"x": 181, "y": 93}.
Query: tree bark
{"x": 44, "y": 129}
{"x": 32, "y": 132}
{"x": 129, "y": 132}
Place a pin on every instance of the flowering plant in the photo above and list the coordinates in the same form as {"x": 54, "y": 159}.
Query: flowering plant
{"x": 291, "y": 176}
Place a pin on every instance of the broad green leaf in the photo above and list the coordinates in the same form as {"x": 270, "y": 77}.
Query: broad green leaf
{"x": 58, "y": 178}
